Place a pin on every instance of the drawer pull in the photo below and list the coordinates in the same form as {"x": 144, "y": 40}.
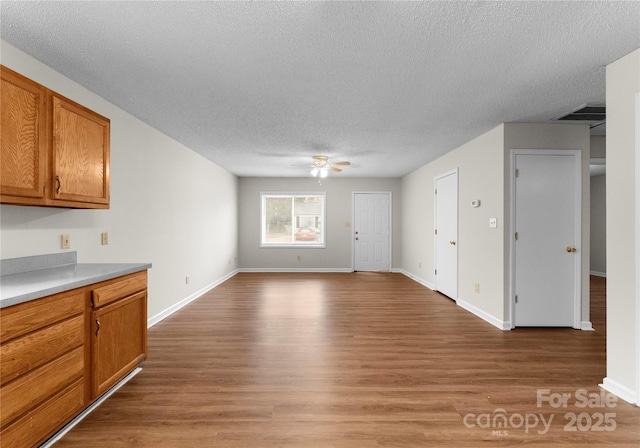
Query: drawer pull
{"x": 98, "y": 324}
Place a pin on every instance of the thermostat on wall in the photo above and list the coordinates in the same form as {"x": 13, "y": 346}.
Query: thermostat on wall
{"x": 475, "y": 203}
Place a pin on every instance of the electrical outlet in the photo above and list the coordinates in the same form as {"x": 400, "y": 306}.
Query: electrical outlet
{"x": 105, "y": 238}
{"x": 299, "y": 258}
{"x": 420, "y": 265}
{"x": 186, "y": 279}
{"x": 476, "y": 287}
{"x": 66, "y": 241}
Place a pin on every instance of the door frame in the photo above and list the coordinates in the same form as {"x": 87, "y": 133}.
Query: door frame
{"x": 353, "y": 221}
{"x": 637, "y": 238}
{"x": 435, "y": 226}
{"x": 577, "y": 274}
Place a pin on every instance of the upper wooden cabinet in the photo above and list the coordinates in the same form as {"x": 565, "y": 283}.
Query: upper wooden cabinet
{"x": 23, "y": 138}
{"x": 54, "y": 151}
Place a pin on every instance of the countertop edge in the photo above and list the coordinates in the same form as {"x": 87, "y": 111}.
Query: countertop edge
{"x": 73, "y": 284}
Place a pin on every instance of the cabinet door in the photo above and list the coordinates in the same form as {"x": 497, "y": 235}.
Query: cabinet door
{"x": 80, "y": 154}
{"x": 23, "y": 143}
{"x": 118, "y": 340}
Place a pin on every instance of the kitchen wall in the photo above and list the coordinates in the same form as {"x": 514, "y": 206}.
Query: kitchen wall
{"x": 337, "y": 256}
{"x": 484, "y": 253}
{"x": 169, "y": 206}
{"x": 623, "y": 318}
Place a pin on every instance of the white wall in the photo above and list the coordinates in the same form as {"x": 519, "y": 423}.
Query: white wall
{"x": 169, "y": 206}
{"x": 339, "y": 237}
{"x": 480, "y": 249}
{"x": 484, "y": 174}
{"x": 623, "y": 82}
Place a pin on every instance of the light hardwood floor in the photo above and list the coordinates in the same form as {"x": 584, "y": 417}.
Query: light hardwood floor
{"x": 355, "y": 360}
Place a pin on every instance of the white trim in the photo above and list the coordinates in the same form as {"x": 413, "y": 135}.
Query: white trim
{"x": 184, "y": 302}
{"x": 577, "y": 299}
{"x": 637, "y": 244}
{"x": 353, "y": 221}
{"x": 435, "y": 226}
{"x": 500, "y": 324}
{"x": 618, "y": 389}
{"x": 338, "y": 270}
{"x": 417, "y": 279}
{"x": 69, "y": 426}
{"x": 598, "y": 274}
{"x": 586, "y": 325}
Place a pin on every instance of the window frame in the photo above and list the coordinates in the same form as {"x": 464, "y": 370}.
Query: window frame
{"x": 264, "y": 195}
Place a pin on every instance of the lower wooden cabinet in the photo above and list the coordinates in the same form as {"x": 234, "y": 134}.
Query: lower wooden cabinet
{"x": 124, "y": 320}
{"x": 62, "y": 352}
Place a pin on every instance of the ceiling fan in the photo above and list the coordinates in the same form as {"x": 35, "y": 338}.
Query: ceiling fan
{"x": 321, "y": 166}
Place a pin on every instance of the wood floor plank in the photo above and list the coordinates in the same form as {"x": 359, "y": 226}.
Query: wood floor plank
{"x": 356, "y": 360}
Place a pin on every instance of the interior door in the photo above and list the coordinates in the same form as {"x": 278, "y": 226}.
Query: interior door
{"x": 446, "y": 233}
{"x": 372, "y": 231}
{"x": 547, "y": 221}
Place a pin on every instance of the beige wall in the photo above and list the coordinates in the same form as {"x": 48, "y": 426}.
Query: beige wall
{"x": 623, "y": 82}
{"x": 169, "y": 206}
{"x": 338, "y": 252}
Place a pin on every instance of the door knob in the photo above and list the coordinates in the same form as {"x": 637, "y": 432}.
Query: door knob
{"x": 453, "y": 243}
{"x": 356, "y": 238}
{"x": 571, "y": 249}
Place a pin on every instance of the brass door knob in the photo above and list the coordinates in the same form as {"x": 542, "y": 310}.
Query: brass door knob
{"x": 453, "y": 243}
{"x": 571, "y": 249}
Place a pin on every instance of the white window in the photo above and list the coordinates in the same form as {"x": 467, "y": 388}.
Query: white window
{"x": 292, "y": 219}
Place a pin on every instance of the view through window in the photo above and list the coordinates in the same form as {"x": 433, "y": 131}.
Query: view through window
{"x": 293, "y": 219}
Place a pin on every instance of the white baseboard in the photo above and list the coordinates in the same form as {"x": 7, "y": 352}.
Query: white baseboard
{"x": 295, "y": 270}
{"x": 184, "y": 302}
{"x": 599, "y": 274}
{"x": 621, "y": 391}
{"x": 417, "y": 279}
{"x": 502, "y": 325}
{"x": 585, "y": 325}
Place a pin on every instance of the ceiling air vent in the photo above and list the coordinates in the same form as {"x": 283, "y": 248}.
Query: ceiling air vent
{"x": 594, "y": 114}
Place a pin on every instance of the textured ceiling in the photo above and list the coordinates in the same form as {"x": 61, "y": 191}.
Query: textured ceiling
{"x": 260, "y": 87}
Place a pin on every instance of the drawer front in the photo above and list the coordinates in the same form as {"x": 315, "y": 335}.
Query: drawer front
{"x": 26, "y": 317}
{"x": 29, "y": 390}
{"x": 121, "y": 288}
{"x": 35, "y": 427}
{"x": 38, "y": 348}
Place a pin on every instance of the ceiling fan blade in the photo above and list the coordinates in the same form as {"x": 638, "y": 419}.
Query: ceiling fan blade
{"x": 334, "y": 169}
{"x": 341, "y": 163}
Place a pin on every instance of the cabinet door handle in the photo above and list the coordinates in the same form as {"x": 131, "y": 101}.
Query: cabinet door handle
{"x": 97, "y": 329}
{"x": 58, "y": 184}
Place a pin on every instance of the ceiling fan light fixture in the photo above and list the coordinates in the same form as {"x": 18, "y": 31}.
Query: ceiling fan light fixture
{"x": 323, "y": 172}
{"x": 315, "y": 171}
